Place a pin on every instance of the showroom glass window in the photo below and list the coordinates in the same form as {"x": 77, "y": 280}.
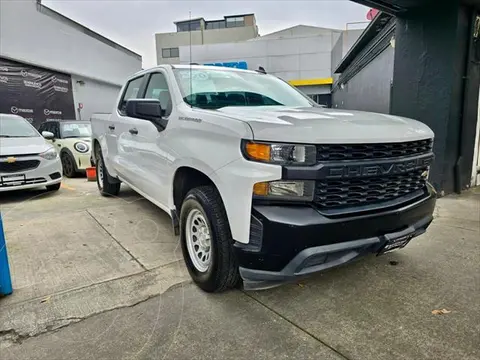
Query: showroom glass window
{"x": 170, "y": 53}
{"x": 235, "y": 22}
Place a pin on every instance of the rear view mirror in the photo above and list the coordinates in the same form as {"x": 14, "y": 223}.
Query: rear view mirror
{"x": 146, "y": 109}
{"x": 48, "y": 135}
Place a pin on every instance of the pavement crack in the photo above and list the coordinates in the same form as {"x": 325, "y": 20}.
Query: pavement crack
{"x": 313, "y": 336}
{"x": 11, "y": 337}
{"x": 118, "y": 242}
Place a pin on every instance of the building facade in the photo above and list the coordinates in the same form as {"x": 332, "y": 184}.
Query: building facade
{"x": 53, "y": 67}
{"x": 199, "y": 31}
{"x": 301, "y": 55}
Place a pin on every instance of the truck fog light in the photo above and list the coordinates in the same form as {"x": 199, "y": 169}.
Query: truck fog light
{"x": 285, "y": 190}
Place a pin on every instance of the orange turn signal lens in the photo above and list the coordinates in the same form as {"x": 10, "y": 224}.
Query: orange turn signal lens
{"x": 260, "y": 189}
{"x": 258, "y": 151}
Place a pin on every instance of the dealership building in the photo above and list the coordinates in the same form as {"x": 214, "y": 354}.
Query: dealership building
{"x": 52, "y": 67}
{"x": 302, "y": 55}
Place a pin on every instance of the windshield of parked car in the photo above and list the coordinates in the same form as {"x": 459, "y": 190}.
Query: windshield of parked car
{"x": 16, "y": 126}
{"x": 75, "y": 130}
{"x": 219, "y": 87}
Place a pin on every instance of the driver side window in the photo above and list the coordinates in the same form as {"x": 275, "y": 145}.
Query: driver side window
{"x": 132, "y": 91}
{"x": 158, "y": 89}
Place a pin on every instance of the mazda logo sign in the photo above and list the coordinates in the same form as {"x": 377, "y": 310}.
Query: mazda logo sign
{"x": 46, "y": 112}
{"x": 24, "y": 73}
{"x": 14, "y": 110}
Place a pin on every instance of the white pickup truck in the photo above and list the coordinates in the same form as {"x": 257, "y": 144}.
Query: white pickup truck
{"x": 263, "y": 185}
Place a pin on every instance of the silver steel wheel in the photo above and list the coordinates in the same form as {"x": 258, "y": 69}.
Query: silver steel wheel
{"x": 198, "y": 240}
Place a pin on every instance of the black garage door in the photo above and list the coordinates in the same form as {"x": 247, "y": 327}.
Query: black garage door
{"x": 35, "y": 93}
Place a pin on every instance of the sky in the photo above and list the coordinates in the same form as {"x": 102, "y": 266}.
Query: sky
{"x": 133, "y": 23}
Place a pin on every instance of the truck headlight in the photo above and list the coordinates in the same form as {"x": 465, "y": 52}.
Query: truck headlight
{"x": 281, "y": 154}
{"x": 50, "y": 154}
{"x": 81, "y": 147}
{"x": 287, "y": 190}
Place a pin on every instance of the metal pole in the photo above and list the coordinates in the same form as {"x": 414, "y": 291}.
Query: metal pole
{"x": 5, "y": 279}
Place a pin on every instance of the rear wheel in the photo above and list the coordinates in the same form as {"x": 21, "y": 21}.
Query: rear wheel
{"x": 207, "y": 244}
{"x": 105, "y": 186}
{"x": 68, "y": 164}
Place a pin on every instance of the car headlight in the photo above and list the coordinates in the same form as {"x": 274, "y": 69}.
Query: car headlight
{"x": 50, "y": 154}
{"x": 286, "y": 190}
{"x": 281, "y": 154}
{"x": 81, "y": 147}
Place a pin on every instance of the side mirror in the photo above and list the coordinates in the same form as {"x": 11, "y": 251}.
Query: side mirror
{"x": 146, "y": 109}
{"x": 48, "y": 135}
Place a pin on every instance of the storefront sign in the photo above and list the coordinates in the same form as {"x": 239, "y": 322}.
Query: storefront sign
{"x": 34, "y": 93}
{"x": 234, "y": 64}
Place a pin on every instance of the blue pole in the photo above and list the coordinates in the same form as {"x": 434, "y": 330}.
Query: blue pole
{"x": 5, "y": 279}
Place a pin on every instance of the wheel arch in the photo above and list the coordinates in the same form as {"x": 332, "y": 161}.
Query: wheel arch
{"x": 185, "y": 179}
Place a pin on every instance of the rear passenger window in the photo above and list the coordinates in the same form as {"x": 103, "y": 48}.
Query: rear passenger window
{"x": 158, "y": 89}
{"x": 131, "y": 92}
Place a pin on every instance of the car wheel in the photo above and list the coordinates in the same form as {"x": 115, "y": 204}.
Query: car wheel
{"x": 207, "y": 244}
{"x": 105, "y": 186}
{"x": 54, "y": 187}
{"x": 68, "y": 164}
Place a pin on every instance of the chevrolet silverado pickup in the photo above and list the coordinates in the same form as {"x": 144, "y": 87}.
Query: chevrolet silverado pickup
{"x": 263, "y": 185}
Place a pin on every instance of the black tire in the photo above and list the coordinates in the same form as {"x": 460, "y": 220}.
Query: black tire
{"x": 222, "y": 273}
{"x": 68, "y": 165}
{"x": 105, "y": 186}
{"x": 54, "y": 187}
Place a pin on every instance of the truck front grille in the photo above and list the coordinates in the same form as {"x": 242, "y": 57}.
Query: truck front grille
{"x": 335, "y": 152}
{"x": 355, "y": 192}
{"x": 18, "y": 166}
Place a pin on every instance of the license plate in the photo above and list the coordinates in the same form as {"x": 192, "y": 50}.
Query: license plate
{"x": 398, "y": 243}
{"x": 15, "y": 179}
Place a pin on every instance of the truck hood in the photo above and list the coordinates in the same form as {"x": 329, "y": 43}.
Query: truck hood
{"x": 23, "y": 146}
{"x": 322, "y": 125}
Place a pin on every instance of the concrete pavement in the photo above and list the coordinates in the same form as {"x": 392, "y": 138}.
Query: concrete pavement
{"x": 101, "y": 278}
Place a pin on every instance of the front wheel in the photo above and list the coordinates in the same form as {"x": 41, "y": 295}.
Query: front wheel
{"x": 207, "y": 244}
{"x": 68, "y": 165}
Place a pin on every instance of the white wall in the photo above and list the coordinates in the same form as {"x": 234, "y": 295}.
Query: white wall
{"x": 290, "y": 58}
{"x": 35, "y": 37}
{"x": 200, "y": 37}
{"x": 95, "y": 97}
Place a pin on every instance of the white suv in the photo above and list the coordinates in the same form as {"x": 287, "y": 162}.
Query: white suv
{"x": 262, "y": 184}
{"x": 26, "y": 159}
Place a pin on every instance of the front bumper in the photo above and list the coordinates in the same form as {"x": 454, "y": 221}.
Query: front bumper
{"x": 48, "y": 172}
{"x": 297, "y": 241}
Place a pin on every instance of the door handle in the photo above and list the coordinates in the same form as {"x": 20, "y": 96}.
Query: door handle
{"x": 133, "y": 131}
{"x": 111, "y": 127}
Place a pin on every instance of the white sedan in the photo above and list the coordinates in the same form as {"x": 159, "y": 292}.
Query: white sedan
{"x": 27, "y": 160}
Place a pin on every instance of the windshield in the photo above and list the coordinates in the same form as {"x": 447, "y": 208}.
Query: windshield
{"x": 216, "y": 88}
{"x": 74, "y": 130}
{"x": 16, "y": 126}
